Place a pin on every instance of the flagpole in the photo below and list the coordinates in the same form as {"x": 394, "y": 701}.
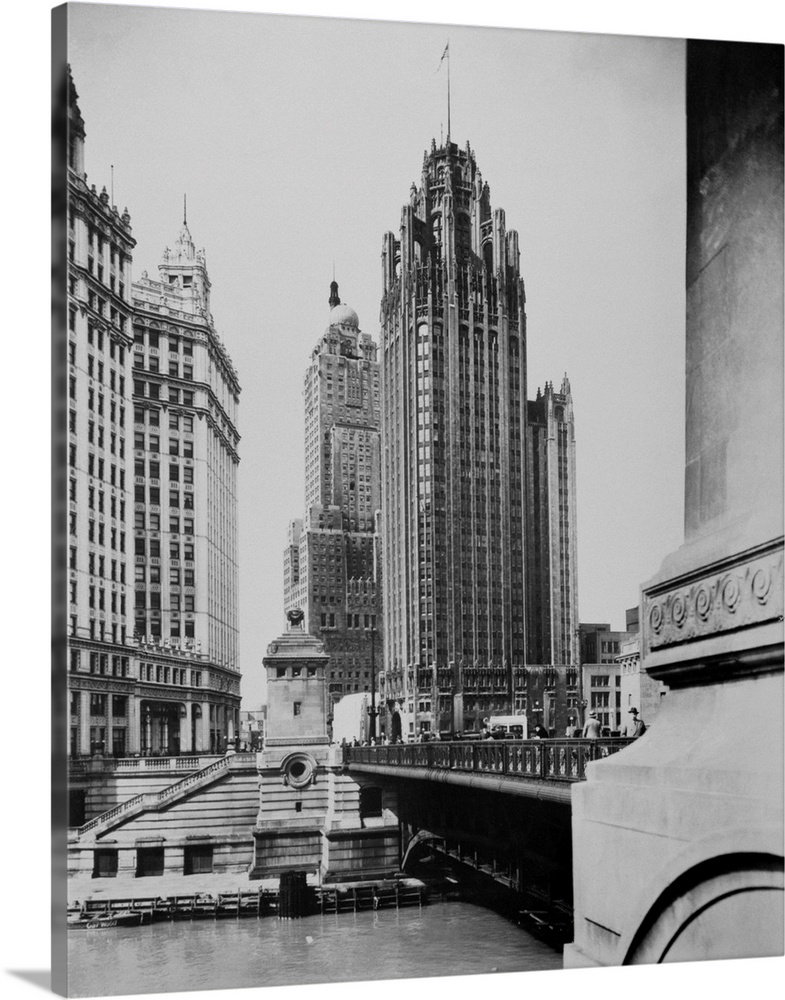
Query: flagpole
{"x": 448, "y": 91}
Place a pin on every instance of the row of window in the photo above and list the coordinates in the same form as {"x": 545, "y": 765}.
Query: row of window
{"x": 101, "y": 664}
{"x": 174, "y": 367}
{"x": 152, "y": 547}
{"x": 152, "y": 574}
{"x": 152, "y": 390}
{"x": 177, "y": 421}
{"x": 152, "y": 495}
{"x": 154, "y": 341}
{"x": 153, "y": 468}
{"x": 144, "y": 628}
{"x": 144, "y": 519}
{"x": 177, "y": 602}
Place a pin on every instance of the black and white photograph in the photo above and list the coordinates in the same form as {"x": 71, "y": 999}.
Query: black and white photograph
{"x": 417, "y": 490}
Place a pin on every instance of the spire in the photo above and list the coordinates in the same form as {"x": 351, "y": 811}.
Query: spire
{"x": 334, "y": 298}
{"x": 185, "y": 213}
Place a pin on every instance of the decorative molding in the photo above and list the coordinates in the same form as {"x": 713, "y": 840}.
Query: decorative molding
{"x": 743, "y": 591}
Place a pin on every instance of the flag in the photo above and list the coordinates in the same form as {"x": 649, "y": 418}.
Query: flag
{"x": 445, "y": 53}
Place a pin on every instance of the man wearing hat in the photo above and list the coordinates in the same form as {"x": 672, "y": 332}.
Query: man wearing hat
{"x": 592, "y": 729}
{"x": 636, "y": 726}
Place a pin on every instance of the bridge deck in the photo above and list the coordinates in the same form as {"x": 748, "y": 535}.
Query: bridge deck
{"x": 540, "y": 768}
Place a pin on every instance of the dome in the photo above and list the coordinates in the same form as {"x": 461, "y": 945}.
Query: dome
{"x": 343, "y": 315}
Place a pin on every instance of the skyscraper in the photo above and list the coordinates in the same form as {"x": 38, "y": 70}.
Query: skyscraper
{"x": 459, "y": 513}
{"x": 185, "y": 401}
{"x": 152, "y": 637}
{"x": 100, "y": 594}
{"x": 330, "y": 562}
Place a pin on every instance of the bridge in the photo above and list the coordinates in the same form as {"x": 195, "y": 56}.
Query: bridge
{"x": 494, "y": 817}
{"x": 535, "y": 768}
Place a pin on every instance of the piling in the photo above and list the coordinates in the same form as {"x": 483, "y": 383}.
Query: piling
{"x": 293, "y": 895}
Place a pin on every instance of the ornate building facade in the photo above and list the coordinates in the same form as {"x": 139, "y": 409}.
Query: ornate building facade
{"x": 331, "y": 559}
{"x": 474, "y": 481}
{"x": 152, "y": 462}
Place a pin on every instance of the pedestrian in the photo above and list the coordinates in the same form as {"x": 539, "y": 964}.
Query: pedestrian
{"x": 569, "y": 732}
{"x": 540, "y": 732}
{"x": 636, "y": 726}
{"x": 592, "y": 729}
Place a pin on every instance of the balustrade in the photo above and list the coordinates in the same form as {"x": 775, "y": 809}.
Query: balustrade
{"x": 552, "y": 760}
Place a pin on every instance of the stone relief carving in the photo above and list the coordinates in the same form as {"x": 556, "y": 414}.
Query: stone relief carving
{"x": 748, "y": 593}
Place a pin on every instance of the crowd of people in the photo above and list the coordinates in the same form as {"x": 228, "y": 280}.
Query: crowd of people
{"x": 591, "y": 730}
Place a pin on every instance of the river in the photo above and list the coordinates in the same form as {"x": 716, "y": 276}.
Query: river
{"x": 441, "y": 939}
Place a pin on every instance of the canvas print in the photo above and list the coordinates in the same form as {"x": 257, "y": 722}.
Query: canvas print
{"x": 418, "y": 473}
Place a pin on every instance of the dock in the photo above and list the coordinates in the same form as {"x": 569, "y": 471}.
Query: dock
{"x": 333, "y": 898}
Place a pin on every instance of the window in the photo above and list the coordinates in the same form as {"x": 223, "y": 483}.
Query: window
{"x": 188, "y": 577}
{"x": 174, "y": 525}
{"x": 188, "y": 526}
{"x": 174, "y": 446}
{"x": 97, "y": 705}
{"x": 188, "y": 449}
{"x": 188, "y": 398}
{"x": 188, "y": 474}
{"x": 174, "y": 422}
{"x": 174, "y": 472}
{"x": 297, "y": 706}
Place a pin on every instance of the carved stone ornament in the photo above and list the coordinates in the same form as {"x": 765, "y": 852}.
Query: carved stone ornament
{"x": 744, "y": 592}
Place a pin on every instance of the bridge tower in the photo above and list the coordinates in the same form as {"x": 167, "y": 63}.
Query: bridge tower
{"x": 313, "y": 817}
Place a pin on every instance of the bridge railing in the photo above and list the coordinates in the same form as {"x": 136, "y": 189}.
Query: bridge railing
{"x": 552, "y": 760}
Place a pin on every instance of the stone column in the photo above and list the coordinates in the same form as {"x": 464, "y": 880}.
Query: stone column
{"x": 185, "y": 728}
{"x": 84, "y": 722}
{"x": 678, "y": 839}
{"x": 134, "y": 736}
{"x": 204, "y": 745}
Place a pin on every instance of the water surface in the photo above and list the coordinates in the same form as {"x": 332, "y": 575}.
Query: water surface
{"x": 442, "y": 939}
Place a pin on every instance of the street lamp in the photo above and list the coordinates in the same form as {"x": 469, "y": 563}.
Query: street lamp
{"x": 372, "y": 713}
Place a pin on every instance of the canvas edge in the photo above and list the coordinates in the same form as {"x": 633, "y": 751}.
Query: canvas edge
{"x": 59, "y": 772}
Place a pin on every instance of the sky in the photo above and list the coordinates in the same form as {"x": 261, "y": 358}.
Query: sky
{"x": 296, "y": 141}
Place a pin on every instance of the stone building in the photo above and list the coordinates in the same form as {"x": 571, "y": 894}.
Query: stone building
{"x": 185, "y": 401}
{"x": 478, "y": 486}
{"x": 152, "y": 456}
{"x": 103, "y": 712}
{"x": 551, "y": 572}
{"x": 331, "y": 559}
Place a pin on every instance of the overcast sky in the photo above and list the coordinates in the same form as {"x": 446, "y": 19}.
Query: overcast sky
{"x": 296, "y": 141}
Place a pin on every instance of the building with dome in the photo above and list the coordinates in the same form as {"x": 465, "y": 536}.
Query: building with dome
{"x": 331, "y": 559}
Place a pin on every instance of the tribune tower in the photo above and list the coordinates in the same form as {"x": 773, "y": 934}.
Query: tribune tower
{"x": 456, "y": 509}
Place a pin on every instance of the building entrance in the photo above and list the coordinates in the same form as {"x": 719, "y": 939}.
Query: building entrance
{"x": 160, "y": 729}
